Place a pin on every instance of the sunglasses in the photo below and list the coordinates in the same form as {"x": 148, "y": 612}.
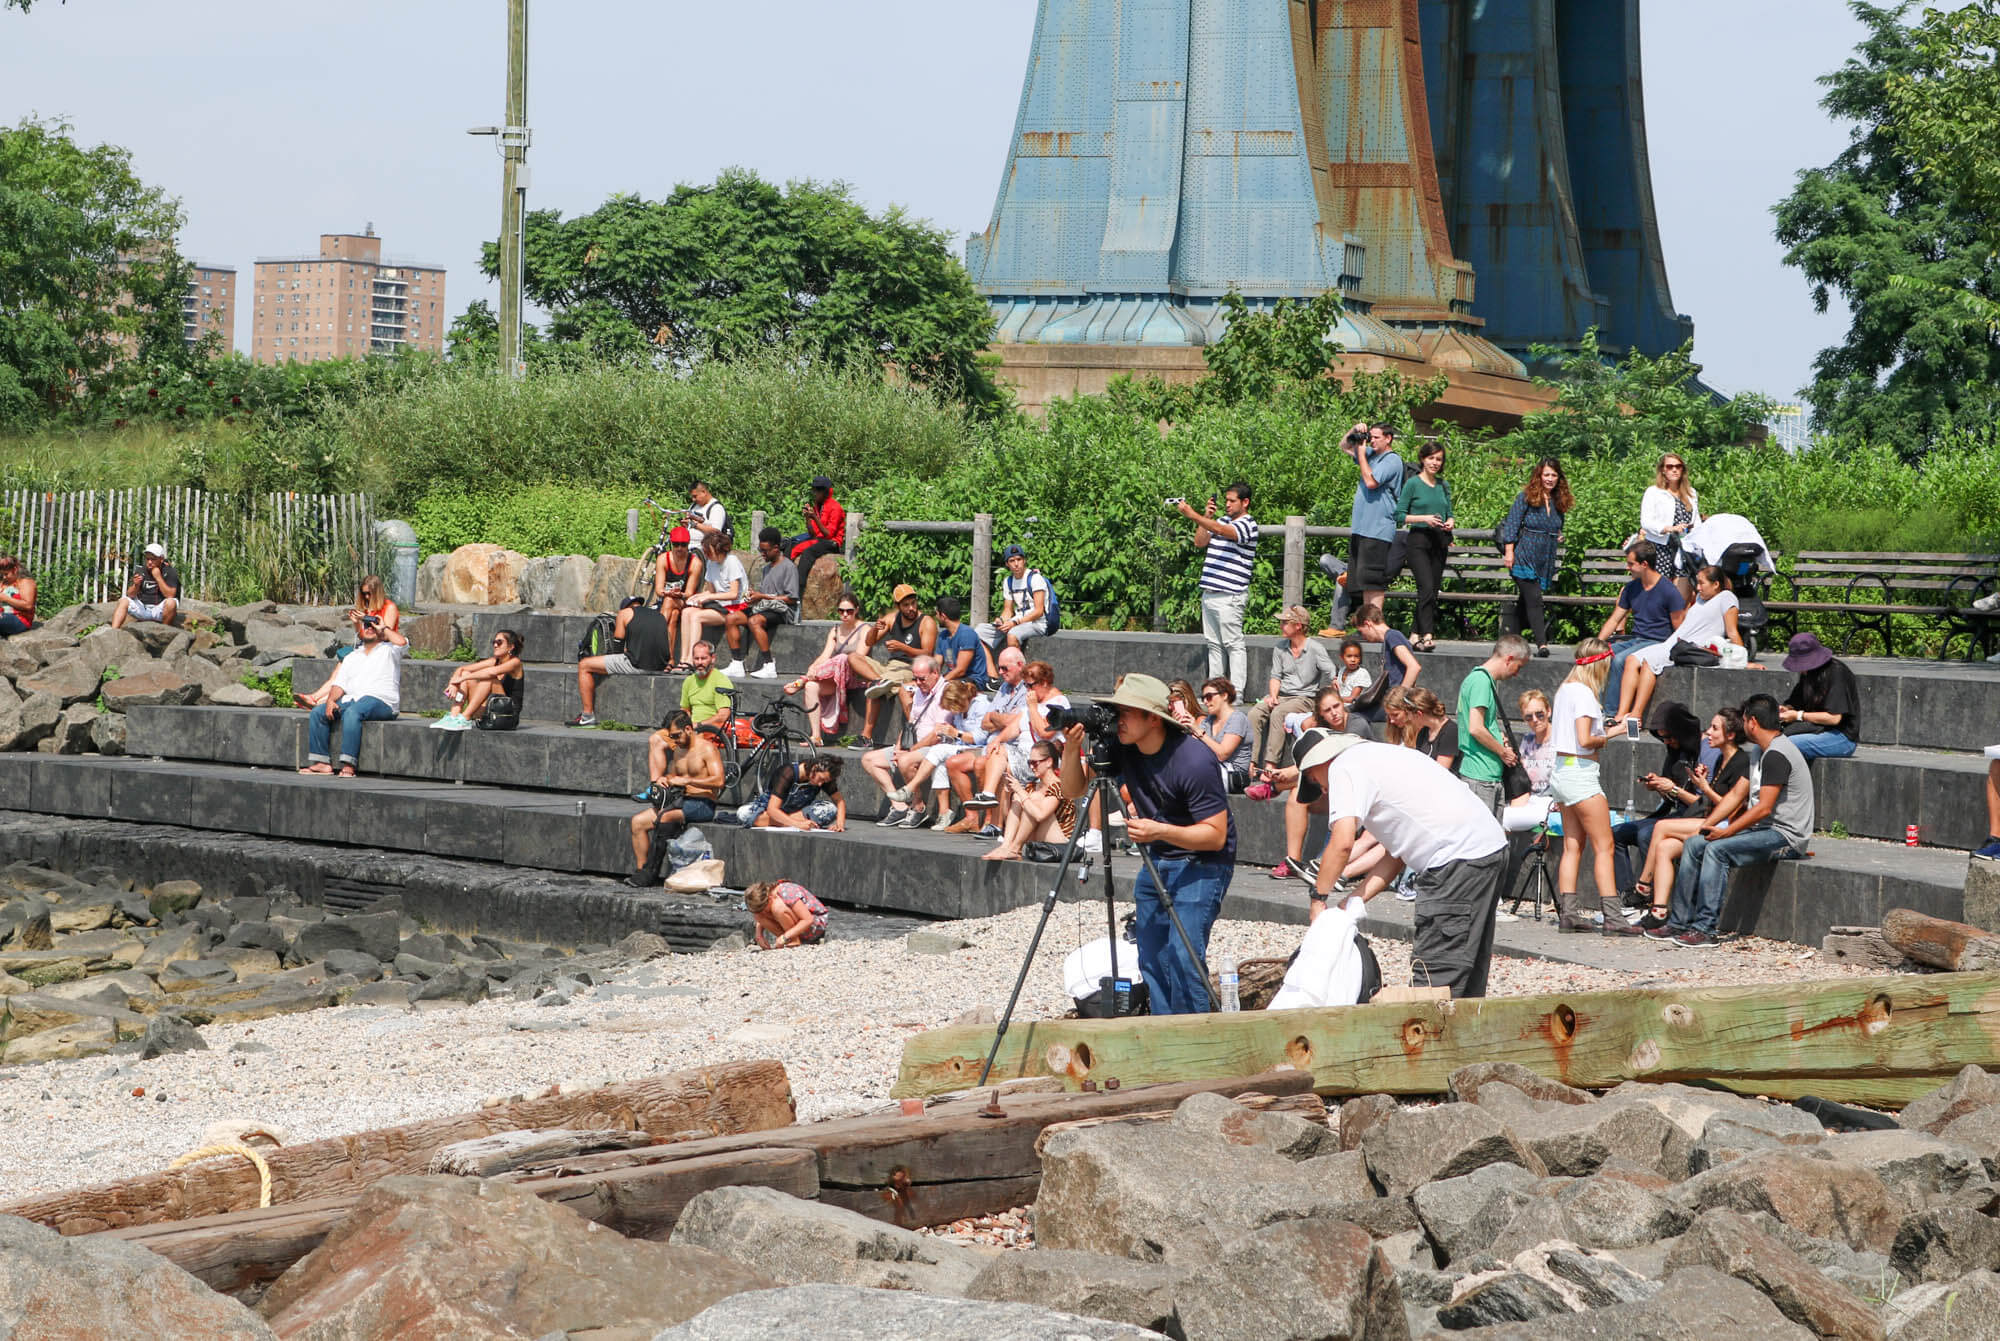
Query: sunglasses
{"x": 499, "y": 642}
{"x": 1534, "y": 717}
{"x": 849, "y": 610}
{"x": 1209, "y": 695}
{"x": 1673, "y": 465}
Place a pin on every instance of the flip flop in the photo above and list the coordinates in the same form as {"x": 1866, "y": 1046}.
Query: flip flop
{"x": 317, "y": 770}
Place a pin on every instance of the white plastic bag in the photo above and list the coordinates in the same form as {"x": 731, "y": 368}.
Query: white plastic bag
{"x": 1328, "y": 969}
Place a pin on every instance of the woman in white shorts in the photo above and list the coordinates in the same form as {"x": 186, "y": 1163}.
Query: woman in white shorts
{"x": 1586, "y": 813}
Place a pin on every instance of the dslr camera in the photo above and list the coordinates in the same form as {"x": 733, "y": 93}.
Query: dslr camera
{"x": 1100, "y": 723}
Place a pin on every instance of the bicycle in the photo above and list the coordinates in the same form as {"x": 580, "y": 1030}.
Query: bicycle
{"x": 649, "y": 562}
{"x": 763, "y": 763}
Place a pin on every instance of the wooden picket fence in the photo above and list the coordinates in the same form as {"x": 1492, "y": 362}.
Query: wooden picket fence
{"x": 300, "y": 547}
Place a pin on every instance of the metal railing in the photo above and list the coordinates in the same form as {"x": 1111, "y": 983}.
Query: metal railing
{"x": 98, "y": 535}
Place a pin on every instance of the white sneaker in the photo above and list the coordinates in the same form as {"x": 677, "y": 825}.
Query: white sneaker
{"x": 1986, "y": 605}
{"x": 1093, "y": 843}
{"x": 767, "y": 671}
{"x": 734, "y": 670}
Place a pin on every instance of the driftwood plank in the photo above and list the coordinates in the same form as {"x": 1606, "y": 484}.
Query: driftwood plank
{"x": 1940, "y": 943}
{"x": 737, "y": 1097}
{"x": 1879, "y": 1041}
{"x": 491, "y": 1156}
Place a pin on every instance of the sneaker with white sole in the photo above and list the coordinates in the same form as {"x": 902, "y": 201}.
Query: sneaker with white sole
{"x": 1991, "y": 852}
{"x": 582, "y": 719}
{"x": 913, "y": 819}
{"x": 982, "y": 801}
{"x": 444, "y": 723}
{"x": 1093, "y": 843}
{"x": 880, "y": 689}
{"x": 900, "y": 797}
{"x": 896, "y": 815}
{"x": 1986, "y": 605}
{"x": 767, "y": 671}
{"x": 461, "y": 724}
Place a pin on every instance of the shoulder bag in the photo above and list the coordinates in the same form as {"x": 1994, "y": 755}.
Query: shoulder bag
{"x": 1514, "y": 779}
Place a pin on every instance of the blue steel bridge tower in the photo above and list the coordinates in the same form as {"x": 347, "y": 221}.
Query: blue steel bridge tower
{"x": 1167, "y": 152}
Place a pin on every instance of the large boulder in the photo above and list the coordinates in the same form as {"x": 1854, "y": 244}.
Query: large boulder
{"x": 1621, "y": 1207}
{"x": 822, "y": 590}
{"x": 107, "y": 647}
{"x": 430, "y": 578}
{"x": 1733, "y": 1244}
{"x": 1167, "y": 1190}
{"x": 375, "y": 934}
{"x": 853, "y": 1313}
{"x": 273, "y": 641}
{"x": 73, "y": 730}
{"x": 96, "y": 1286}
{"x": 1967, "y": 1309}
{"x": 482, "y": 574}
{"x": 1573, "y": 1140}
{"x": 1920, "y": 1169}
{"x": 431, "y": 634}
{"x": 1090, "y": 1284}
{"x": 236, "y": 694}
{"x": 1414, "y": 1146}
{"x": 71, "y": 680}
{"x": 1298, "y": 1280}
{"x": 150, "y": 687}
{"x": 16, "y": 662}
{"x": 1944, "y": 1244}
{"x": 107, "y": 733}
{"x": 797, "y": 1242}
{"x": 1464, "y": 1215}
{"x": 559, "y": 583}
{"x": 1697, "y": 1304}
{"x": 1817, "y": 1196}
{"x": 612, "y": 579}
{"x": 31, "y": 723}
{"x": 437, "y": 1257}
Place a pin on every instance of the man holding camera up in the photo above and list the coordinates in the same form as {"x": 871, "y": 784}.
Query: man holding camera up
{"x": 1230, "y": 545}
{"x": 1180, "y": 811}
{"x": 1371, "y": 563}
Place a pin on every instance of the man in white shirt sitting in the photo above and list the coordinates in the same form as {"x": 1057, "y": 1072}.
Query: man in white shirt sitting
{"x": 1430, "y": 823}
{"x": 368, "y": 687}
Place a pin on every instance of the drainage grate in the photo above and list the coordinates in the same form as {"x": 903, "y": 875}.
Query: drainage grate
{"x": 356, "y": 896}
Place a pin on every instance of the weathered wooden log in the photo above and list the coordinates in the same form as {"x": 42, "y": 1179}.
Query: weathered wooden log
{"x": 491, "y": 1156}
{"x": 1952, "y": 946}
{"x": 948, "y": 1163}
{"x": 1863, "y": 948}
{"x": 234, "y": 1252}
{"x": 1876, "y": 1041}
{"x": 734, "y": 1098}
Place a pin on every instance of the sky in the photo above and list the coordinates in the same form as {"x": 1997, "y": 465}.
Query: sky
{"x": 275, "y": 122}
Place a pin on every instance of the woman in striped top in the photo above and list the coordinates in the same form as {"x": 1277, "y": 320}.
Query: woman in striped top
{"x": 1529, "y": 539}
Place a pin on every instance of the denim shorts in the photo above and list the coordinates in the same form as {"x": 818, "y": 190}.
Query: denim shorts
{"x": 697, "y": 809}
{"x": 1575, "y": 781}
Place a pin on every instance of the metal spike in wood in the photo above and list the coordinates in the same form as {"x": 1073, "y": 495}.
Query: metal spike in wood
{"x": 1880, "y": 1041}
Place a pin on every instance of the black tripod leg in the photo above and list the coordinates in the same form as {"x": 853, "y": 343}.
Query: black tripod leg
{"x": 1196, "y": 957}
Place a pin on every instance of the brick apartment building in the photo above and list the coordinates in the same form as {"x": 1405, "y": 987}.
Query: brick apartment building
{"x": 210, "y": 304}
{"x": 346, "y": 302}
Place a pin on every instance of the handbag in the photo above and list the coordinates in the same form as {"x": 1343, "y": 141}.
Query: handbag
{"x": 1514, "y": 780}
{"x": 503, "y": 713}
{"x": 1687, "y": 654}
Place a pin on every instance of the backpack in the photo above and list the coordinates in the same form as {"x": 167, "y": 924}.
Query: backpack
{"x": 599, "y": 638}
{"x": 1052, "y": 613}
{"x": 1371, "y": 969}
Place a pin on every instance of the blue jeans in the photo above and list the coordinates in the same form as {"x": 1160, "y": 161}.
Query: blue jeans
{"x": 1704, "y": 873}
{"x": 11, "y": 623}
{"x": 1333, "y": 566}
{"x": 1629, "y": 842}
{"x": 1619, "y": 651}
{"x": 1823, "y": 745}
{"x": 353, "y": 712}
{"x": 1175, "y": 981}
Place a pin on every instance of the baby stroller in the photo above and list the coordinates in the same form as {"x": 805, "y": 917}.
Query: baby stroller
{"x": 1745, "y": 560}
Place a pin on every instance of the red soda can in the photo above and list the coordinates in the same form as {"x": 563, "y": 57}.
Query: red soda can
{"x": 1909, "y": 835}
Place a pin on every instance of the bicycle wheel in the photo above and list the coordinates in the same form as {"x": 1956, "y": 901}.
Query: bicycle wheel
{"x": 648, "y": 574}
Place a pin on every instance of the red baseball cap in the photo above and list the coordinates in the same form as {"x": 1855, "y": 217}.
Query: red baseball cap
{"x": 678, "y": 536}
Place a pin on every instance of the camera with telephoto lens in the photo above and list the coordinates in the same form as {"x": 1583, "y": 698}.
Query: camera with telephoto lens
{"x": 1099, "y": 722}
{"x": 372, "y": 621}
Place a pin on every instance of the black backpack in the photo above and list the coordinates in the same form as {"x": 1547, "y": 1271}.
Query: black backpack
{"x": 600, "y": 639}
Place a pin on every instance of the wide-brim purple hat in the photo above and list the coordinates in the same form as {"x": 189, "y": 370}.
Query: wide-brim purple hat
{"x": 1807, "y": 653}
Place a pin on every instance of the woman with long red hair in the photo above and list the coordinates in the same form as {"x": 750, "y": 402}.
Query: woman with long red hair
{"x": 1530, "y": 538}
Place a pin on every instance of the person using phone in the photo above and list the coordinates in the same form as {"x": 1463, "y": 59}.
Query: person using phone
{"x": 706, "y": 516}
{"x": 826, "y": 529}
{"x": 1229, "y": 555}
{"x": 152, "y": 593}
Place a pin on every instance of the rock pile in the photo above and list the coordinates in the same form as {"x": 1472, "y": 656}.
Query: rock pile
{"x": 1518, "y": 1209}
{"x": 89, "y": 964}
{"x": 66, "y": 683}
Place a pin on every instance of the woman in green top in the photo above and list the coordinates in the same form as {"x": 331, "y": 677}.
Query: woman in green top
{"x": 1425, "y": 508}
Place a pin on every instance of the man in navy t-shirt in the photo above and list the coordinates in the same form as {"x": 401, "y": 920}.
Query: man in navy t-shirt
{"x": 1180, "y": 812}
{"x": 1654, "y": 607}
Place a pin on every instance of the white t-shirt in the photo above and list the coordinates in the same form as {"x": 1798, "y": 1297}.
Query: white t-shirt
{"x": 1026, "y": 741}
{"x": 712, "y": 513}
{"x": 376, "y": 674}
{"x": 1021, "y": 592}
{"x": 717, "y": 577}
{"x": 1416, "y": 810}
{"x": 1575, "y": 700}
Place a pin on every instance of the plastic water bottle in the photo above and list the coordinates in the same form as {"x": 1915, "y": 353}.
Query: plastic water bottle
{"x": 1228, "y": 975}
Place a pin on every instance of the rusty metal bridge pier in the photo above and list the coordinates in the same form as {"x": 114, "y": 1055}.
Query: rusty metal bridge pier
{"x": 1421, "y": 157}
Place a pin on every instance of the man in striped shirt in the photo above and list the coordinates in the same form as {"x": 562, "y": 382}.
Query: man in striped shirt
{"x": 1230, "y": 542}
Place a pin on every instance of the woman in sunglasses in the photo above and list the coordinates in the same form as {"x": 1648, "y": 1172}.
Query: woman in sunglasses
{"x": 1669, "y": 511}
{"x": 826, "y": 679}
{"x": 677, "y": 576}
{"x": 1225, "y": 729}
{"x": 1537, "y": 746}
{"x": 476, "y": 681}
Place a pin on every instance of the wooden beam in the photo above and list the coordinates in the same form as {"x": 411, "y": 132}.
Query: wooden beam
{"x": 1879, "y": 1040}
{"x": 1939, "y": 943}
{"x": 733, "y": 1098}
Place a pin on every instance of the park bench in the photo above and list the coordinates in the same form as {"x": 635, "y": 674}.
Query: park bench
{"x": 1870, "y": 590}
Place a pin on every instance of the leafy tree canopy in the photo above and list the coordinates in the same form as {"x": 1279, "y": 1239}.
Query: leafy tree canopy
{"x": 90, "y": 283}
{"x": 715, "y": 271}
{"x": 1637, "y": 405}
{"x": 1904, "y": 248}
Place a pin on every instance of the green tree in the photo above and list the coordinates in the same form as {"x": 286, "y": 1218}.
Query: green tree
{"x": 1637, "y": 405}
{"x": 90, "y": 283}
{"x": 1904, "y": 248}
{"x": 713, "y": 272}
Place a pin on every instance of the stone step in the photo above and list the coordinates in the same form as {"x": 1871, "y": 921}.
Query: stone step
{"x": 1930, "y": 705}
{"x": 1874, "y": 794}
{"x": 1848, "y": 882}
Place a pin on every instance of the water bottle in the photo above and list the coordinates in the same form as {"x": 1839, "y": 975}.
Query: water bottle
{"x": 1228, "y": 975}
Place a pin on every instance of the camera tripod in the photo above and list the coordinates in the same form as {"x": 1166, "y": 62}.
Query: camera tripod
{"x": 1101, "y": 786}
{"x": 1540, "y": 885}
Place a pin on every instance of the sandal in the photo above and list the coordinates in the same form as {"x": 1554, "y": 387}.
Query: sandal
{"x": 320, "y": 770}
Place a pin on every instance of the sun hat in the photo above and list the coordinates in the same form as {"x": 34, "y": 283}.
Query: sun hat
{"x": 902, "y": 593}
{"x": 1807, "y": 653}
{"x": 1314, "y": 747}
{"x": 1146, "y": 693}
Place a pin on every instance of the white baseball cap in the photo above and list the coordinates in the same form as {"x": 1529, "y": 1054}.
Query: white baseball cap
{"x": 157, "y": 550}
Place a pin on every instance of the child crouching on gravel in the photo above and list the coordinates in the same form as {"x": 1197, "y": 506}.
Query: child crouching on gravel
{"x": 786, "y": 914}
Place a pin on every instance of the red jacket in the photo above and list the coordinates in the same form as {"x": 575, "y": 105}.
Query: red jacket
{"x": 829, "y": 524}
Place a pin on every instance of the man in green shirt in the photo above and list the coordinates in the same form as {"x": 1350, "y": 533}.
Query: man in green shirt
{"x": 703, "y": 692}
{"x": 1484, "y": 752}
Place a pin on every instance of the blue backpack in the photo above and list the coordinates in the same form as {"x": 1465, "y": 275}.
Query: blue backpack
{"x": 1053, "y": 612}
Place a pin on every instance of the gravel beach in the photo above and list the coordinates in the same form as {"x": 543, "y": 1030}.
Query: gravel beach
{"x": 835, "y": 1014}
